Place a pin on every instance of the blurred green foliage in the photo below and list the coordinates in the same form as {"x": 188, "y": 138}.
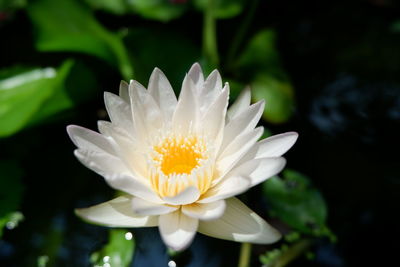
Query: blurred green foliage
{"x": 78, "y": 44}
{"x": 297, "y": 203}
{"x": 118, "y": 251}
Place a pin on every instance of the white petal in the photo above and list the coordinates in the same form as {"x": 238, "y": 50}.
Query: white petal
{"x": 226, "y": 188}
{"x": 143, "y": 207}
{"x": 276, "y": 146}
{"x": 123, "y": 91}
{"x": 214, "y": 118}
{"x": 116, "y": 213}
{"x": 258, "y": 170}
{"x": 119, "y": 111}
{"x": 147, "y": 115}
{"x": 187, "y": 196}
{"x": 211, "y": 89}
{"x": 116, "y": 174}
{"x": 129, "y": 151}
{"x": 241, "y": 104}
{"x": 89, "y": 140}
{"x": 196, "y": 74}
{"x": 177, "y": 230}
{"x": 104, "y": 164}
{"x": 236, "y": 149}
{"x": 162, "y": 92}
{"x": 239, "y": 223}
{"x": 246, "y": 121}
{"x": 186, "y": 113}
{"x": 206, "y": 211}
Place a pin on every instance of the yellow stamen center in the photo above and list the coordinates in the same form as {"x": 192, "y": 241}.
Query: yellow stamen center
{"x": 178, "y": 156}
{"x": 179, "y": 162}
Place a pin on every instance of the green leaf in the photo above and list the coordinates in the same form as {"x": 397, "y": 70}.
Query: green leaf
{"x": 118, "y": 7}
{"x": 261, "y": 55}
{"x": 261, "y": 65}
{"x": 224, "y": 9}
{"x": 278, "y": 96}
{"x": 12, "y": 4}
{"x": 22, "y": 97}
{"x": 167, "y": 50}
{"x": 66, "y": 25}
{"x": 294, "y": 201}
{"x": 10, "y": 221}
{"x": 158, "y": 9}
{"x": 118, "y": 251}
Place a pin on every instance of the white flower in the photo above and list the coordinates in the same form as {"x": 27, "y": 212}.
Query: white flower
{"x": 181, "y": 162}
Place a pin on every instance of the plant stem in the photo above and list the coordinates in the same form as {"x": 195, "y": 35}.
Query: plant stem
{"x": 210, "y": 49}
{"x": 292, "y": 253}
{"x": 240, "y": 34}
{"x": 244, "y": 258}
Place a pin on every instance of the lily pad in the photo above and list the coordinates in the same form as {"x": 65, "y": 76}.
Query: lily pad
{"x": 296, "y": 202}
{"x": 66, "y": 25}
{"x": 22, "y": 97}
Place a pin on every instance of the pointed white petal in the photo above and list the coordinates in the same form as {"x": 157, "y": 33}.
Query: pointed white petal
{"x": 104, "y": 164}
{"x": 258, "y": 170}
{"x": 147, "y": 115}
{"x": 186, "y": 113}
{"x": 239, "y": 223}
{"x": 123, "y": 91}
{"x": 119, "y": 111}
{"x": 143, "y": 207}
{"x": 228, "y": 187}
{"x": 240, "y": 105}
{"x": 236, "y": 149}
{"x": 244, "y": 122}
{"x": 196, "y": 74}
{"x": 206, "y": 211}
{"x": 89, "y": 140}
{"x": 277, "y": 145}
{"x": 177, "y": 230}
{"x": 210, "y": 91}
{"x": 116, "y": 174}
{"x": 116, "y": 213}
{"x": 162, "y": 92}
{"x": 187, "y": 196}
{"x": 214, "y": 118}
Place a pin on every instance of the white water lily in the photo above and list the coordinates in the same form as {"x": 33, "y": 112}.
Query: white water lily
{"x": 182, "y": 161}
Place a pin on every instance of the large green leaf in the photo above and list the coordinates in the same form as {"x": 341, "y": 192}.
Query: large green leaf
{"x": 117, "y": 7}
{"x": 278, "y": 96}
{"x": 22, "y": 97}
{"x": 66, "y": 25}
{"x": 298, "y": 204}
{"x": 157, "y": 9}
{"x": 117, "y": 252}
{"x": 223, "y": 9}
{"x": 260, "y": 65}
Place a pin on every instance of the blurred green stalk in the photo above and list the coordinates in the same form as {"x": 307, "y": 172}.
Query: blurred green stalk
{"x": 210, "y": 49}
{"x": 245, "y": 253}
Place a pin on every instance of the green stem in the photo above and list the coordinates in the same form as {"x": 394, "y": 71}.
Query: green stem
{"x": 210, "y": 49}
{"x": 245, "y": 252}
{"x": 241, "y": 32}
{"x": 292, "y": 253}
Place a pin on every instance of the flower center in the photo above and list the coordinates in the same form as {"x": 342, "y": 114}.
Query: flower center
{"x": 179, "y": 156}
{"x": 178, "y": 162}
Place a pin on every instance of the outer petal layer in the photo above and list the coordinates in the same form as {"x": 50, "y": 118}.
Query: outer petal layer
{"x": 206, "y": 211}
{"x": 240, "y": 224}
{"x": 116, "y": 213}
{"x": 177, "y": 230}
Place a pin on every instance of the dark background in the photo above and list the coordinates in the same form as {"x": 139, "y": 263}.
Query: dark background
{"x": 342, "y": 59}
